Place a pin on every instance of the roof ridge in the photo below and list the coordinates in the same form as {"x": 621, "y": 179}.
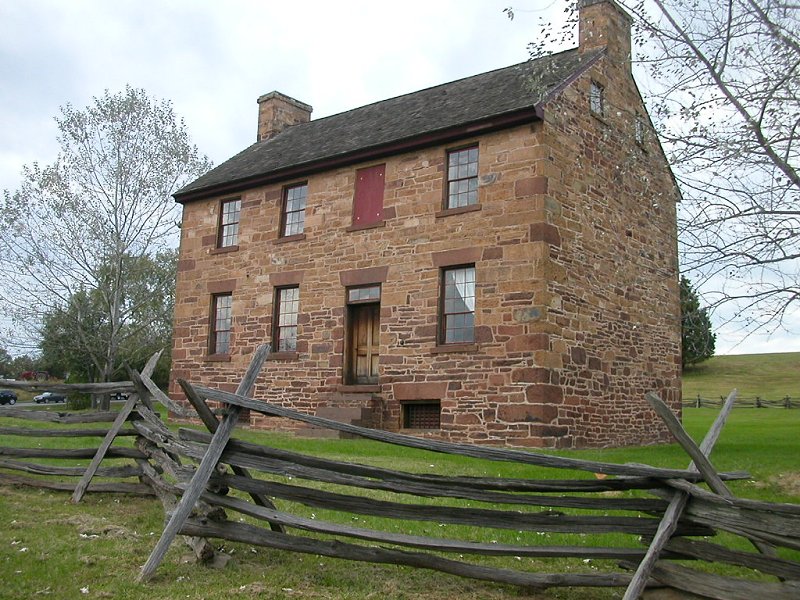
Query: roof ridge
{"x": 429, "y": 88}
{"x": 442, "y": 113}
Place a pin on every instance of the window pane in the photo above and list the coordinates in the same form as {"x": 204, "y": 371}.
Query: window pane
{"x": 230, "y": 211}
{"x": 288, "y": 303}
{"x": 294, "y": 210}
{"x": 288, "y": 340}
{"x": 462, "y": 176}
{"x": 596, "y": 98}
{"x": 229, "y": 223}
{"x": 458, "y": 305}
{"x": 223, "y": 343}
{"x": 361, "y": 294}
{"x": 221, "y": 324}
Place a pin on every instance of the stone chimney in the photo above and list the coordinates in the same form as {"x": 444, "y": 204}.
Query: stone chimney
{"x": 277, "y": 112}
{"x": 604, "y": 24}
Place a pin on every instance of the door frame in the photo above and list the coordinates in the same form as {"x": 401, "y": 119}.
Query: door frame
{"x": 355, "y": 296}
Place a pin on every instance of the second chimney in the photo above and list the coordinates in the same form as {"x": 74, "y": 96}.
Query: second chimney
{"x": 604, "y": 24}
{"x": 277, "y": 112}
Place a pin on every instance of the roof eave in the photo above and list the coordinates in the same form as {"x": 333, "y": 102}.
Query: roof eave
{"x": 443, "y": 136}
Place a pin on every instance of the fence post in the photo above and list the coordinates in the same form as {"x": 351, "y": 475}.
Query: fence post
{"x": 758, "y": 402}
{"x": 787, "y": 402}
{"x": 698, "y": 403}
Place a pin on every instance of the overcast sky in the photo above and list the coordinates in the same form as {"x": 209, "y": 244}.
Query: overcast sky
{"x": 213, "y": 59}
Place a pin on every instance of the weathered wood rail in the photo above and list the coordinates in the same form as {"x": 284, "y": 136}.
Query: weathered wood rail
{"x": 9, "y": 455}
{"x": 742, "y": 402}
{"x": 56, "y": 477}
{"x": 658, "y": 515}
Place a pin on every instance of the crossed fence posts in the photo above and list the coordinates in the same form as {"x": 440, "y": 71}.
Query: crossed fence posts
{"x": 676, "y": 486}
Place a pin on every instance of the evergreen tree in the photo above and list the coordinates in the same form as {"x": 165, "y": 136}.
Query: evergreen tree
{"x": 697, "y": 339}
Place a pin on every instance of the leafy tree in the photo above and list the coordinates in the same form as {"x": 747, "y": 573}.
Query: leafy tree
{"x": 82, "y": 241}
{"x": 697, "y": 339}
{"x": 74, "y": 336}
{"x": 23, "y": 363}
{"x": 723, "y": 88}
{"x": 5, "y": 363}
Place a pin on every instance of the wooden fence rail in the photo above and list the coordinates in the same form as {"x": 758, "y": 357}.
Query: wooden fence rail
{"x": 661, "y": 514}
{"x": 742, "y": 402}
{"x": 579, "y": 507}
{"x": 56, "y": 477}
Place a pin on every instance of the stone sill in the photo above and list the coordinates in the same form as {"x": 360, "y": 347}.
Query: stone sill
{"x": 445, "y": 348}
{"x": 381, "y": 223}
{"x": 224, "y": 249}
{"x": 218, "y": 358}
{"x": 283, "y": 356}
{"x": 357, "y": 388}
{"x": 290, "y": 238}
{"x": 447, "y": 212}
{"x": 413, "y": 431}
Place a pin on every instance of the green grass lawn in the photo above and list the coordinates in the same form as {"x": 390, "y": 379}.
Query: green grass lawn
{"x": 770, "y": 376}
{"x": 52, "y": 548}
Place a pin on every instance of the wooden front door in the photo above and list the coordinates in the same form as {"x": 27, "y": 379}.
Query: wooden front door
{"x": 363, "y": 343}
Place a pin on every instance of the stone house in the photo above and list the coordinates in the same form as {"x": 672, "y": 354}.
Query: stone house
{"x": 491, "y": 260}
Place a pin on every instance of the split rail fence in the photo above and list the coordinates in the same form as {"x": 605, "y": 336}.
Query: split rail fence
{"x": 742, "y": 402}
{"x": 667, "y": 516}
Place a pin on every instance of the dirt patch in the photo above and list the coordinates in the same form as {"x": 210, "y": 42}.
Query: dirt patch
{"x": 90, "y": 526}
{"x": 786, "y": 483}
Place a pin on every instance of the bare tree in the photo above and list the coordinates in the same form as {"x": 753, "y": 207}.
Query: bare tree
{"x": 82, "y": 225}
{"x": 722, "y": 82}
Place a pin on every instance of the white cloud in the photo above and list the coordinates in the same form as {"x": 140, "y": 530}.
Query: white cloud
{"x": 733, "y": 339}
{"x": 213, "y": 59}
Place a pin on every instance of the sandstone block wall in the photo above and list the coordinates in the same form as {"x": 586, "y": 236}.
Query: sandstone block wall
{"x": 574, "y": 247}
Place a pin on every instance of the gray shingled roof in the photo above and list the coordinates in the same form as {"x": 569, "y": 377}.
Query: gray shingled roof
{"x": 447, "y": 106}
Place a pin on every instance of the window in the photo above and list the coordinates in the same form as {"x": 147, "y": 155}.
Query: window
{"x": 229, "y": 223}
{"x": 462, "y": 177}
{"x": 287, "y": 304}
{"x": 458, "y": 305}
{"x": 221, "y": 322}
{"x": 293, "y": 216}
{"x": 421, "y": 415}
{"x": 368, "y": 196}
{"x": 596, "y": 99}
{"x": 638, "y": 129}
{"x": 370, "y": 293}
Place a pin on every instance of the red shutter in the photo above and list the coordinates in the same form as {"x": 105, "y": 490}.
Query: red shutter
{"x": 368, "y": 200}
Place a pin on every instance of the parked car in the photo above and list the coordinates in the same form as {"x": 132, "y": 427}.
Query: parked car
{"x": 49, "y": 397}
{"x": 8, "y": 397}
{"x": 119, "y": 396}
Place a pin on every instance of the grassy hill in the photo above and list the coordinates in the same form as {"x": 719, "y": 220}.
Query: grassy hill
{"x": 770, "y": 376}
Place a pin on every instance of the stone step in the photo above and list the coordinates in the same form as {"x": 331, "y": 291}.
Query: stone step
{"x": 348, "y": 398}
{"x": 352, "y": 415}
{"x": 344, "y": 414}
{"x": 317, "y": 433}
